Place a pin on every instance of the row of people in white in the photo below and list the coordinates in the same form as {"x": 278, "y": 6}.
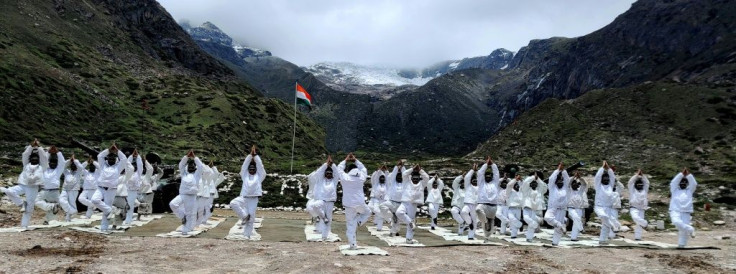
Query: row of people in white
{"x": 42, "y": 170}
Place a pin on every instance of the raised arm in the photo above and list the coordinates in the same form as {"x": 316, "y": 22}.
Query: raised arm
{"x": 149, "y": 171}
{"x": 219, "y": 178}
{"x": 183, "y": 166}
{"x": 121, "y": 161}
{"x": 482, "y": 170}
{"x": 429, "y": 184}
{"x": 43, "y": 158}
{"x": 496, "y": 174}
{"x": 674, "y": 184}
{"x": 375, "y": 179}
{"x": 341, "y": 169}
{"x": 692, "y": 184}
{"x": 244, "y": 167}
{"x": 27, "y": 155}
{"x": 541, "y": 186}
{"x": 553, "y": 177}
{"x": 456, "y": 183}
{"x": 632, "y": 181}
{"x": 363, "y": 170}
{"x": 80, "y": 165}
{"x": 314, "y": 176}
{"x": 468, "y": 177}
{"x": 525, "y": 188}
{"x": 565, "y": 178}
{"x": 200, "y": 168}
{"x": 101, "y": 156}
{"x": 406, "y": 174}
{"x": 260, "y": 170}
{"x": 425, "y": 177}
{"x": 598, "y": 178}
{"x": 440, "y": 184}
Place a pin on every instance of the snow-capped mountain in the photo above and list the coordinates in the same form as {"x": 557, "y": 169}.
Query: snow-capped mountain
{"x": 382, "y": 81}
{"x": 208, "y": 32}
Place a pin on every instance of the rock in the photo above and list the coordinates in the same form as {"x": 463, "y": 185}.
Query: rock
{"x": 722, "y": 188}
{"x": 719, "y": 222}
{"x": 660, "y": 225}
{"x": 624, "y": 222}
{"x": 725, "y": 237}
{"x": 625, "y": 228}
{"x": 338, "y": 264}
{"x": 624, "y": 211}
{"x": 67, "y": 239}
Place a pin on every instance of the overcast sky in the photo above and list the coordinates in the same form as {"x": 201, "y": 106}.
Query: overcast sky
{"x": 408, "y": 33}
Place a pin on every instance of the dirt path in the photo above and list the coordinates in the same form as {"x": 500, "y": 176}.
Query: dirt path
{"x": 284, "y": 250}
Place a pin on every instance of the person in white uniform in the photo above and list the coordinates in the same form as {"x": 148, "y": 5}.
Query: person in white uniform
{"x": 190, "y": 169}
{"x": 394, "y": 195}
{"x": 352, "y": 177}
{"x": 145, "y": 194}
{"x": 90, "y": 171}
{"x": 557, "y": 202}
{"x": 48, "y": 198}
{"x": 29, "y": 181}
{"x": 502, "y": 211}
{"x": 378, "y": 195}
{"x": 434, "y": 199}
{"x": 468, "y": 212}
{"x": 133, "y": 185}
{"x": 203, "y": 194}
{"x": 70, "y": 188}
{"x": 682, "y": 188}
{"x": 324, "y": 196}
{"x": 412, "y": 197}
{"x": 457, "y": 203}
{"x": 112, "y": 162}
{"x": 252, "y": 173}
{"x": 532, "y": 195}
{"x": 576, "y": 205}
{"x": 488, "y": 190}
{"x": 638, "y": 190}
{"x": 514, "y": 202}
{"x": 603, "y": 183}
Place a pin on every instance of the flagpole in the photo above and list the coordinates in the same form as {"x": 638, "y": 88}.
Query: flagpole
{"x": 293, "y": 137}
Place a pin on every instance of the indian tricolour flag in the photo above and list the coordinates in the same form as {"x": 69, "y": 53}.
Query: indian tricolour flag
{"x": 302, "y": 97}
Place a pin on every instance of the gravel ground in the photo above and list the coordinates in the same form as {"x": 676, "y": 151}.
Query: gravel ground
{"x": 64, "y": 250}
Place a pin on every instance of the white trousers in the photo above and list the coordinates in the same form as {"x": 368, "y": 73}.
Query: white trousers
{"x": 487, "y": 215}
{"x": 203, "y": 209}
{"x": 556, "y": 217}
{"x": 86, "y": 199}
{"x": 532, "y": 221}
{"x": 130, "y": 199}
{"x": 354, "y": 216}
{"x": 637, "y": 215}
{"x": 103, "y": 199}
{"x": 245, "y": 207}
{"x": 433, "y": 209}
{"x": 185, "y": 206}
{"x": 515, "y": 220}
{"x": 68, "y": 202}
{"x": 502, "y": 213}
{"x": 406, "y": 214}
{"x": 323, "y": 211}
{"x": 607, "y": 215}
{"x": 30, "y": 193}
{"x": 576, "y": 215}
{"x": 375, "y": 205}
{"x": 388, "y": 212}
{"x": 470, "y": 218}
{"x": 681, "y": 220}
{"x": 46, "y": 200}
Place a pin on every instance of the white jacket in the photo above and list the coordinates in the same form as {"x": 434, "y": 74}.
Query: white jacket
{"x": 604, "y": 194}
{"x": 533, "y": 198}
{"x": 471, "y": 192}
{"x": 578, "y": 198}
{"x": 682, "y": 199}
{"x": 109, "y": 174}
{"x": 488, "y": 191}
{"x": 558, "y": 197}
{"x": 352, "y": 184}
{"x": 323, "y": 189}
{"x": 638, "y": 198}
{"x": 458, "y": 194}
{"x": 190, "y": 181}
{"x": 136, "y": 179}
{"x": 73, "y": 179}
{"x": 219, "y": 178}
{"x": 414, "y": 193}
{"x": 52, "y": 177}
{"x": 617, "y": 194}
{"x": 150, "y": 180}
{"x": 513, "y": 197}
{"x": 434, "y": 195}
{"x": 32, "y": 174}
{"x": 395, "y": 189}
{"x": 203, "y": 189}
{"x": 252, "y": 183}
{"x": 122, "y": 187}
{"x": 378, "y": 190}
{"x": 90, "y": 178}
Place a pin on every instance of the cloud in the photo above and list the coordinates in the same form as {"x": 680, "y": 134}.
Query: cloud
{"x": 411, "y": 33}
